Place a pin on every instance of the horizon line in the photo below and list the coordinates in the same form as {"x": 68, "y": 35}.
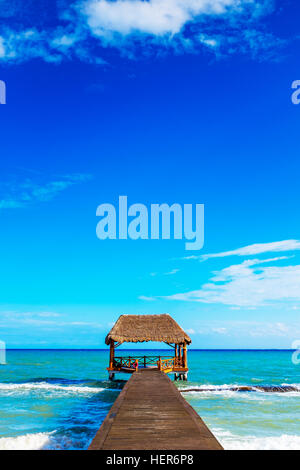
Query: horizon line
{"x": 150, "y": 349}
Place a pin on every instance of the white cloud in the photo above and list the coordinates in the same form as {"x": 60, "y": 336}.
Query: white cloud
{"x": 156, "y": 17}
{"x": 220, "y": 331}
{"x": 190, "y": 331}
{"x": 22, "y": 45}
{"x": 126, "y": 17}
{"x": 256, "y": 249}
{"x": 223, "y": 26}
{"x": 21, "y": 194}
{"x": 248, "y": 285}
{"x": 173, "y": 271}
{"x": 273, "y": 329}
{"x": 240, "y": 329}
{"x": 147, "y": 298}
{"x": 49, "y": 314}
{"x": 12, "y": 319}
{"x": 64, "y": 41}
{"x": 12, "y": 315}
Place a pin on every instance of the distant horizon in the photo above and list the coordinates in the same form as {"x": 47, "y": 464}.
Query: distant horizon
{"x": 148, "y": 349}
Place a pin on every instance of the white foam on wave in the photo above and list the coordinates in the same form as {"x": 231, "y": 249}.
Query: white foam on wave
{"x": 48, "y": 441}
{"x": 225, "y": 394}
{"x": 44, "y": 386}
{"x": 233, "y": 442}
{"x": 208, "y": 390}
{"x": 229, "y": 390}
{"x": 297, "y": 386}
{"x": 26, "y": 442}
{"x": 226, "y": 391}
{"x": 44, "y": 441}
{"x": 209, "y": 387}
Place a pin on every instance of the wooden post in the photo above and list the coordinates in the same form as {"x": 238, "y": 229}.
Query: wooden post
{"x": 145, "y": 362}
{"x": 111, "y": 354}
{"x": 179, "y": 355}
{"x": 184, "y": 355}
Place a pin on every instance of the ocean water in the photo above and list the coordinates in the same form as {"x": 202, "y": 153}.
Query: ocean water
{"x": 58, "y": 399}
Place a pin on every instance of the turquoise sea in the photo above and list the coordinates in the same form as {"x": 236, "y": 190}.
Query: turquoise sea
{"x": 57, "y": 399}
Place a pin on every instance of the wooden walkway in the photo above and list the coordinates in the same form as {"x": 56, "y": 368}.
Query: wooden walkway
{"x": 150, "y": 413}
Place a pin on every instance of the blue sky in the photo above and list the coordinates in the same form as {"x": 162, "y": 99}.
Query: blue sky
{"x": 162, "y": 101}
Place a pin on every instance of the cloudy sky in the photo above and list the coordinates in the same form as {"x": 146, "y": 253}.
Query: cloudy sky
{"x": 176, "y": 101}
{"x": 87, "y": 30}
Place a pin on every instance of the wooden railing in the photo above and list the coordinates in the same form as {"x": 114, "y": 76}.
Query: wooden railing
{"x": 120, "y": 362}
{"x": 166, "y": 364}
{"x": 163, "y": 363}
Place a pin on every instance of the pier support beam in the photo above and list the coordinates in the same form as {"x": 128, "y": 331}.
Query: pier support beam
{"x": 181, "y": 376}
{"x": 179, "y": 355}
{"x": 111, "y": 376}
{"x": 184, "y": 356}
{"x": 111, "y": 354}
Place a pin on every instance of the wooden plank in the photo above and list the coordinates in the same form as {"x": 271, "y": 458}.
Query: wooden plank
{"x": 151, "y": 414}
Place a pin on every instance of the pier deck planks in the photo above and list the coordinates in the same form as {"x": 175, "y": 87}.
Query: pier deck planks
{"x": 150, "y": 413}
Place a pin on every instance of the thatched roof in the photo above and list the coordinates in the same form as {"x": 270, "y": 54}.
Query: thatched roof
{"x": 140, "y": 328}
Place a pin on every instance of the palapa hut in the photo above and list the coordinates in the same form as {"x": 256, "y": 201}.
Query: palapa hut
{"x": 141, "y": 328}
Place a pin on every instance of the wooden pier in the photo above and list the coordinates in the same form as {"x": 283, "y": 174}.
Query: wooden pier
{"x": 151, "y": 414}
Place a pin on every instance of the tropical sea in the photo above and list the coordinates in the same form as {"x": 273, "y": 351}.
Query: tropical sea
{"x": 57, "y": 399}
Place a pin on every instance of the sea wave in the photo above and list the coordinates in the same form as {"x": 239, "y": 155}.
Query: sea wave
{"x": 51, "y": 441}
{"x": 9, "y": 388}
{"x": 42, "y": 441}
{"x": 234, "y": 442}
{"x": 296, "y": 386}
{"x": 26, "y": 442}
{"x": 282, "y": 388}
